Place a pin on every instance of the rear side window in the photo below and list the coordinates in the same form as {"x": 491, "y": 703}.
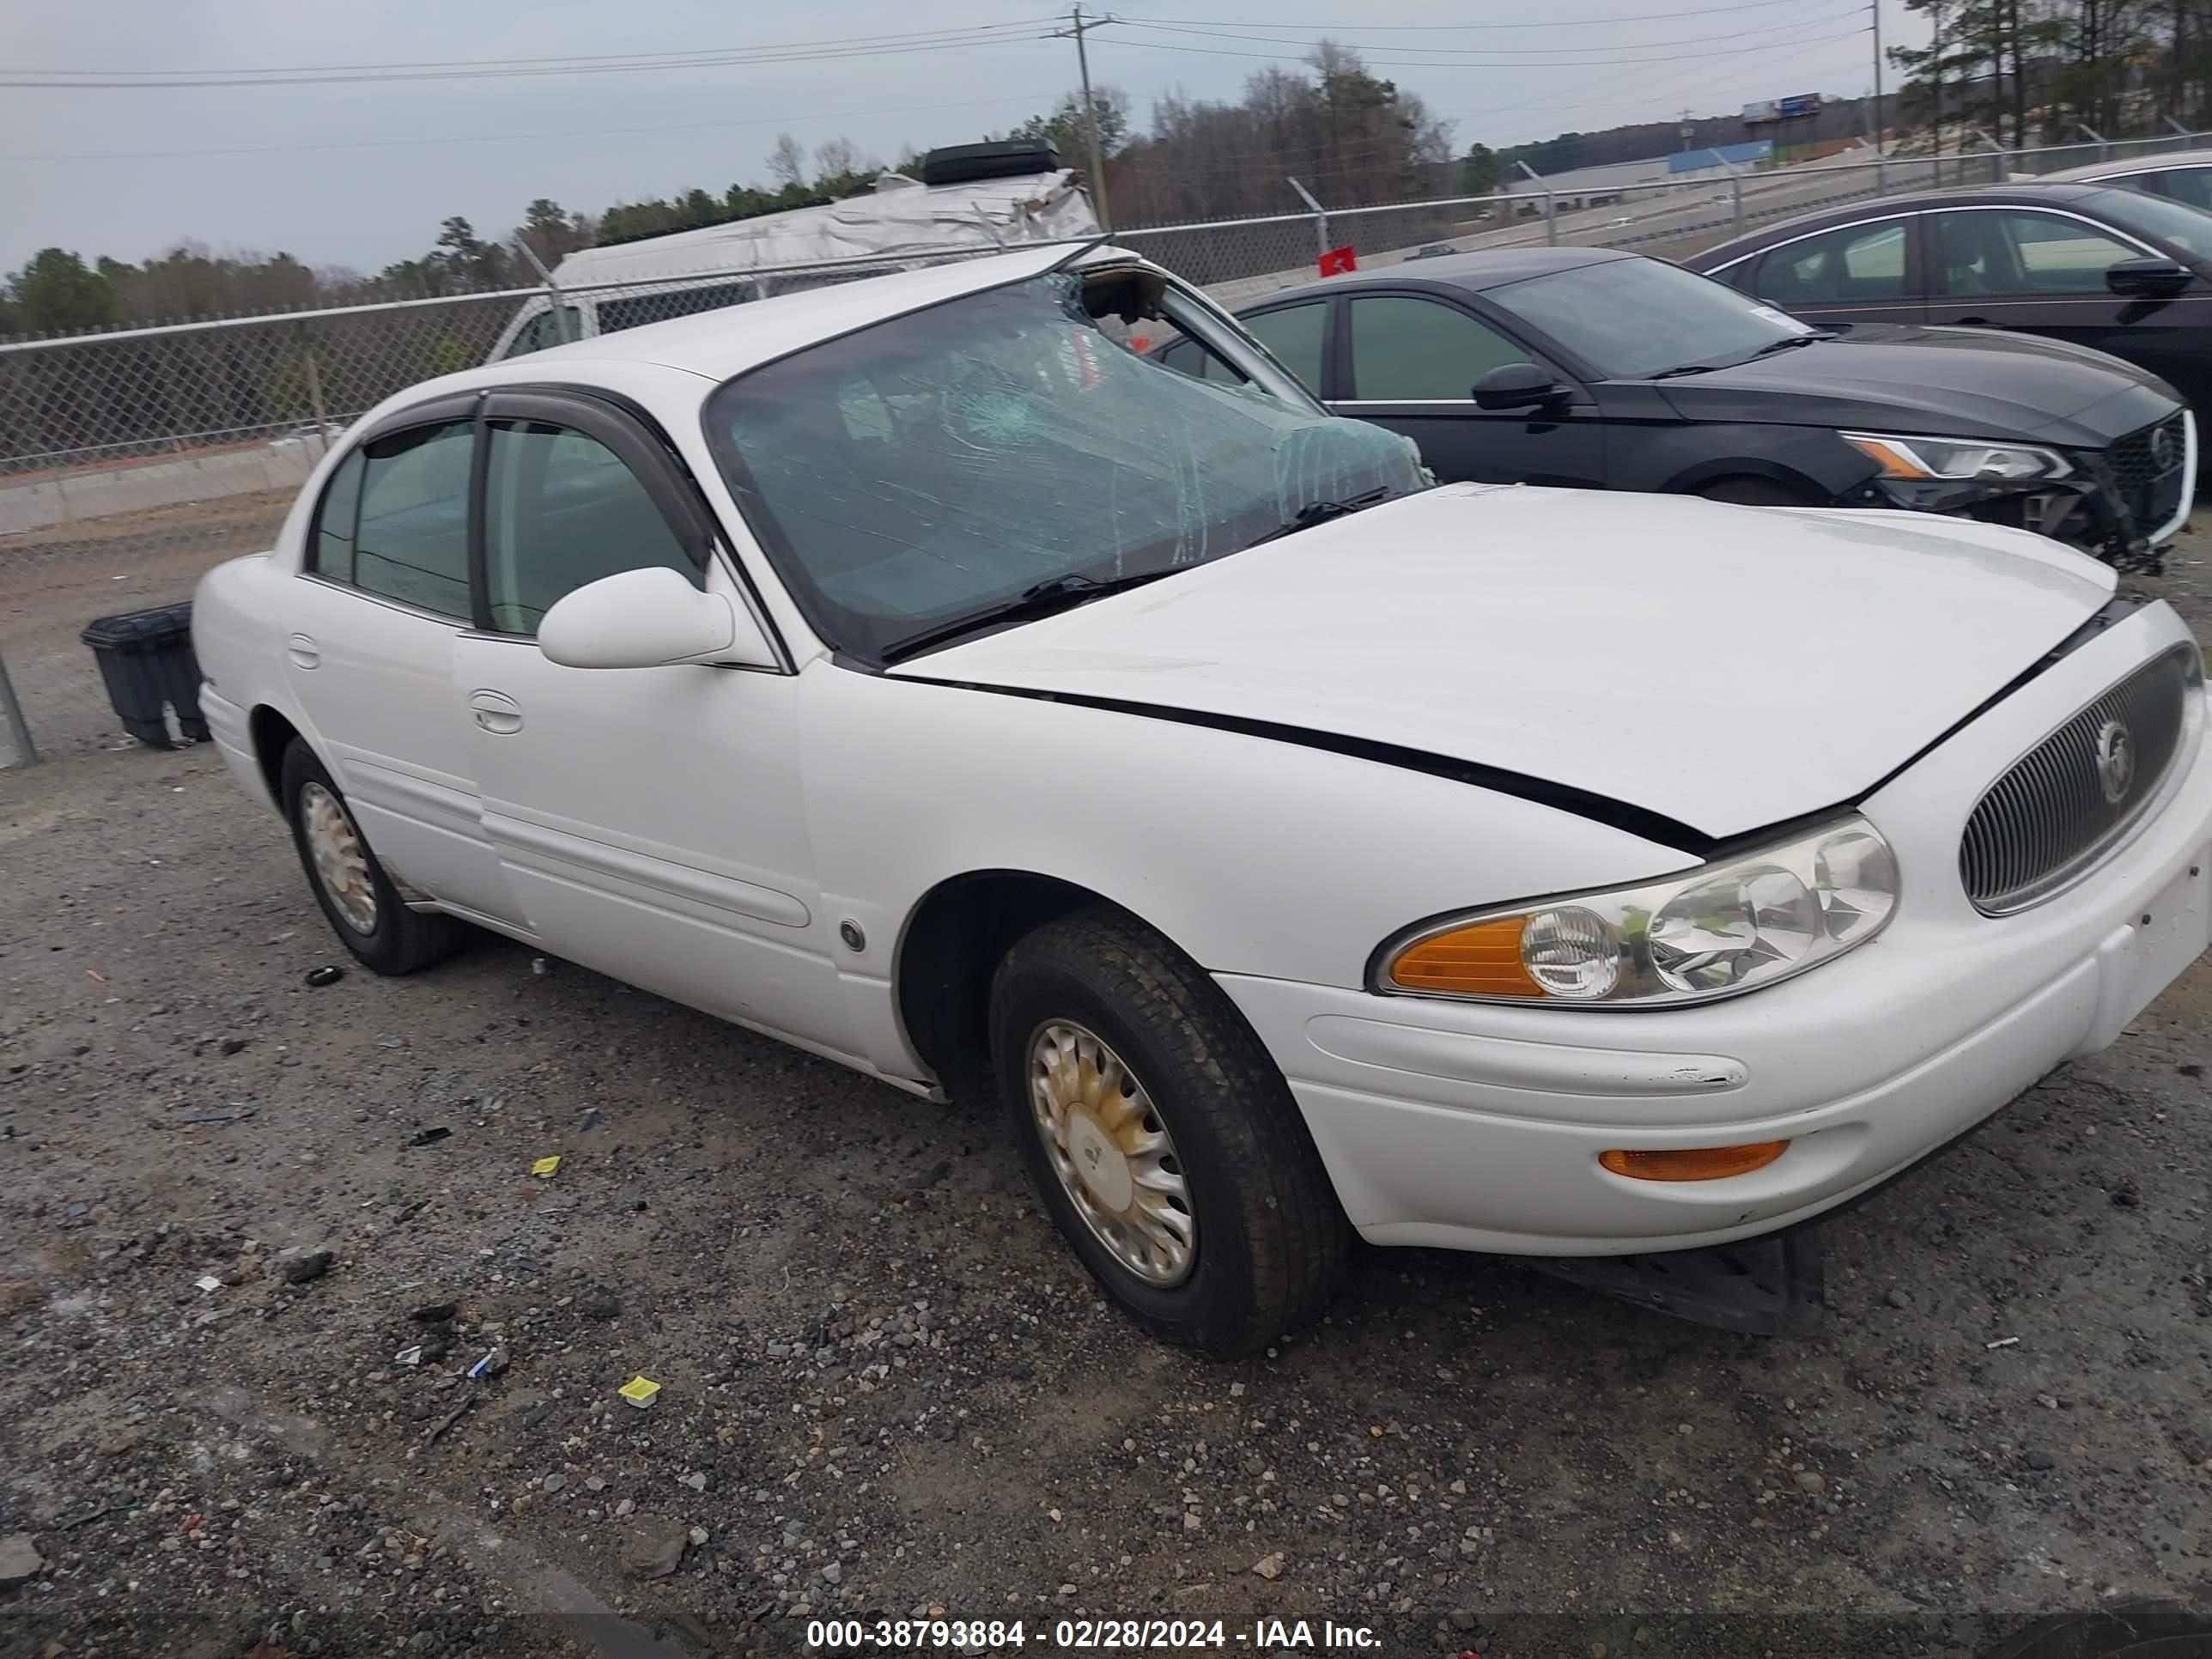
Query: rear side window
{"x": 563, "y": 510}
{"x": 1294, "y": 335}
{"x": 1856, "y": 264}
{"x": 411, "y": 535}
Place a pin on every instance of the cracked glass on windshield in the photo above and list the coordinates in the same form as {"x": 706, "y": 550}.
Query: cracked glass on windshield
{"x": 936, "y": 465}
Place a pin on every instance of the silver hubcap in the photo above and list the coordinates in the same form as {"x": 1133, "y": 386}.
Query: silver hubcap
{"x": 1106, "y": 1143}
{"x": 341, "y": 860}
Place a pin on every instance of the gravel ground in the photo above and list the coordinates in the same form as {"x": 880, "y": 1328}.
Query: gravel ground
{"x": 887, "y": 1389}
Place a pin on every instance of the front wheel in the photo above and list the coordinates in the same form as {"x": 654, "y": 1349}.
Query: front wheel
{"x": 1164, "y": 1139}
{"x": 364, "y": 911}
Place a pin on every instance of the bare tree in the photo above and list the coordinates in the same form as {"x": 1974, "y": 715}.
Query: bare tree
{"x": 786, "y": 162}
{"x": 834, "y": 158}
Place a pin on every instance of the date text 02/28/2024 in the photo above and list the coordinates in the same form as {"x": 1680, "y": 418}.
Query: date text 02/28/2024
{"x": 1075, "y": 1634}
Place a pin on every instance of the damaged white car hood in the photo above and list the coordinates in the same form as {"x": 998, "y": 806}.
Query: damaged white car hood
{"x": 1728, "y": 667}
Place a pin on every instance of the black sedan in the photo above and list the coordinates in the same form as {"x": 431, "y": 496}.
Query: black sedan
{"x": 2123, "y": 271}
{"x": 1603, "y": 369}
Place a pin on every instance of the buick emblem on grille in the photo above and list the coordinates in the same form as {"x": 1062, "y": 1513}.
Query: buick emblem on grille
{"x": 2165, "y": 448}
{"x": 2116, "y": 760}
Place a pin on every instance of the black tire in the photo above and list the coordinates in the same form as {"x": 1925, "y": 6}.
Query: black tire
{"x": 1754, "y": 492}
{"x": 1271, "y": 1241}
{"x": 402, "y": 939}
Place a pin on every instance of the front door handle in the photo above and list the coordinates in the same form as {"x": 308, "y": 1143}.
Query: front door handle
{"x": 302, "y": 650}
{"x": 1972, "y": 322}
{"x": 495, "y": 712}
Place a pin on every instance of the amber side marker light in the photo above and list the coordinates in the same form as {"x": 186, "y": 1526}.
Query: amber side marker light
{"x": 1694, "y": 1163}
{"x": 1483, "y": 959}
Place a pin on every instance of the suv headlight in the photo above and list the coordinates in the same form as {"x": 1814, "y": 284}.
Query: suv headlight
{"x": 1925, "y": 459}
{"x": 1726, "y": 927}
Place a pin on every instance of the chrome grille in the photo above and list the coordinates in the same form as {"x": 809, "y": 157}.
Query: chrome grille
{"x": 2150, "y": 470}
{"x": 2069, "y": 799}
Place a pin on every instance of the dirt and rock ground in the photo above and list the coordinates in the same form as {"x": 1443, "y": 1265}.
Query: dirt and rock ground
{"x": 887, "y": 1390}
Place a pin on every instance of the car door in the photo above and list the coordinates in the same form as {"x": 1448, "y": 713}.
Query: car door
{"x": 382, "y": 599}
{"x": 648, "y": 821}
{"x": 2043, "y": 271}
{"x": 1409, "y": 362}
{"x": 1869, "y": 272}
{"x": 1298, "y": 336}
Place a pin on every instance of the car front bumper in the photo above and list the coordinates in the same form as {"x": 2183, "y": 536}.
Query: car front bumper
{"x": 1479, "y": 1126}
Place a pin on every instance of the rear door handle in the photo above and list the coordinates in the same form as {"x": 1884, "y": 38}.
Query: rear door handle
{"x": 302, "y": 650}
{"x": 496, "y": 712}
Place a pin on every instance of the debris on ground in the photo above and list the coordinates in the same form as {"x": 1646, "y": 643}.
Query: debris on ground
{"x": 430, "y": 1137}
{"x": 655, "y": 1547}
{"x": 307, "y": 1268}
{"x": 638, "y": 1391}
{"x": 20, "y": 1560}
{"x": 545, "y": 1166}
{"x": 319, "y": 977}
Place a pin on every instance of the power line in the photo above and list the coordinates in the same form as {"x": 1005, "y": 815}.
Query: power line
{"x": 1430, "y": 62}
{"x": 533, "y": 137}
{"x": 1439, "y": 28}
{"x": 738, "y": 58}
{"x": 1506, "y": 51}
{"x": 578, "y": 58}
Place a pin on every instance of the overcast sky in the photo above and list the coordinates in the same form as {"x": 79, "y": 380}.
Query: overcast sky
{"x": 320, "y": 177}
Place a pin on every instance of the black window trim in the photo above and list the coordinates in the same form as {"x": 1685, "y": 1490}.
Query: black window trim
{"x": 1541, "y": 350}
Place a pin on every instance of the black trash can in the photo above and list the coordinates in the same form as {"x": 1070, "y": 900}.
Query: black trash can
{"x": 146, "y": 658}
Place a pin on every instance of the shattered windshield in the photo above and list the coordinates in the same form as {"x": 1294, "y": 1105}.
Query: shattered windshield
{"x": 940, "y": 465}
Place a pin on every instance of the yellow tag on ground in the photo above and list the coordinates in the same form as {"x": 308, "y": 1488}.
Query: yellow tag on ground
{"x": 638, "y": 1390}
{"x": 545, "y": 1166}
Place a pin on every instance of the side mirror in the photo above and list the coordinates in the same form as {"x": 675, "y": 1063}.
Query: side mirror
{"x": 648, "y": 618}
{"x": 1517, "y": 385}
{"x": 2145, "y": 279}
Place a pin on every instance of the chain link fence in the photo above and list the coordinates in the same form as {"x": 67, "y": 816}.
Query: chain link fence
{"x": 131, "y": 462}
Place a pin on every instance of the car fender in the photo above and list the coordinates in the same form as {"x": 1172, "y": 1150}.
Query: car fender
{"x": 1684, "y": 459}
{"x": 1253, "y": 854}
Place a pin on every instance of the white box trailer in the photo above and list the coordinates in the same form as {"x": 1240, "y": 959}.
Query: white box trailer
{"x": 991, "y": 196}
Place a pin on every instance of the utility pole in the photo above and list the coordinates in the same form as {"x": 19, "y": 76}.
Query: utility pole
{"x": 1079, "y": 26}
{"x": 1874, "y": 7}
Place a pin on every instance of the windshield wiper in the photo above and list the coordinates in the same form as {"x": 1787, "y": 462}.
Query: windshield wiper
{"x": 1790, "y": 343}
{"x": 1682, "y": 368}
{"x": 1314, "y": 513}
{"x": 1059, "y": 592}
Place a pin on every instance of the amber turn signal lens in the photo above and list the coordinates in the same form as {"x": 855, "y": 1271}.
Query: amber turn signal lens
{"x": 1694, "y": 1163}
{"x": 1483, "y": 959}
{"x": 1895, "y": 464}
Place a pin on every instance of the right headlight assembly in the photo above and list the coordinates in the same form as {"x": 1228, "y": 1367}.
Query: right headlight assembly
{"x": 1719, "y": 930}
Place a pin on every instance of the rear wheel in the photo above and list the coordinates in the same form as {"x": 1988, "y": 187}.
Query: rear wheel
{"x": 1756, "y": 492}
{"x": 367, "y": 914}
{"x": 1164, "y": 1139}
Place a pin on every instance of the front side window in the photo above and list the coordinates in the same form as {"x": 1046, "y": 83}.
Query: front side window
{"x": 2177, "y": 217}
{"x": 395, "y": 519}
{"x": 1005, "y": 441}
{"x": 1858, "y": 264}
{"x": 2006, "y": 252}
{"x": 549, "y": 327}
{"x": 1631, "y": 318}
{"x": 1422, "y": 351}
{"x": 561, "y": 510}
{"x": 1294, "y": 335}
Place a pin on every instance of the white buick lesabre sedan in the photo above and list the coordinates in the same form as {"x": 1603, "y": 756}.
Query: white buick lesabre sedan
{"x": 910, "y": 671}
